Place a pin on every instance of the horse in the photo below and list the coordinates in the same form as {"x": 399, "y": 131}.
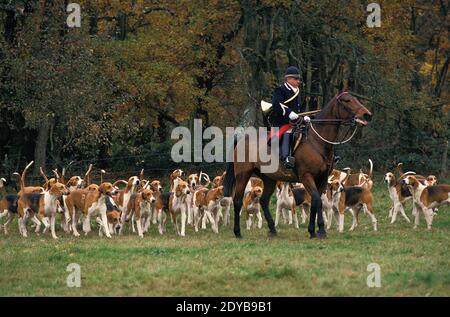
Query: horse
{"x": 313, "y": 162}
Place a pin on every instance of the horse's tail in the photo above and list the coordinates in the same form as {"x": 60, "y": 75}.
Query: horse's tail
{"x": 229, "y": 181}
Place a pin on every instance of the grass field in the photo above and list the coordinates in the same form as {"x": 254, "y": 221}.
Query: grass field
{"x": 412, "y": 262}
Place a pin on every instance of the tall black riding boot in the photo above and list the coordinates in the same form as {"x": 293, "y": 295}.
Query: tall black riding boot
{"x": 287, "y": 160}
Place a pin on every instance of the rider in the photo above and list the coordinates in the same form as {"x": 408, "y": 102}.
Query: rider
{"x": 286, "y": 105}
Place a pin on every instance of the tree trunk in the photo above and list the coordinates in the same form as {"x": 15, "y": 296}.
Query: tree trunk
{"x": 444, "y": 168}
{"x": 441, "y": 79}
{"x": 10, "y": 25}
{"x": 40, "y": 150}
{"x": 315, "y": 75}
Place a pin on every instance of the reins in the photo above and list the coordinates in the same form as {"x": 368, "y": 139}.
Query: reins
{"x": 338, "y": 122}
{"x": 331, "y": 142}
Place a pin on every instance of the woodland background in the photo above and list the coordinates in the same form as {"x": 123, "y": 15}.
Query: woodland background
{"x": 110, "y": 92}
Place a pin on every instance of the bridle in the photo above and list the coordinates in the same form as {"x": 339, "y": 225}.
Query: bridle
{"x": 349, "y": 122}
{"x": 339, "y": 121}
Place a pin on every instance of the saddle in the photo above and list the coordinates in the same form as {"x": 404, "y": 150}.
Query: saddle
{"x": 299, "y": 131}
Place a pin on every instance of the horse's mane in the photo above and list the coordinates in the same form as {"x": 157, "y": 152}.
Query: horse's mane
{"x": 326, "y": 109}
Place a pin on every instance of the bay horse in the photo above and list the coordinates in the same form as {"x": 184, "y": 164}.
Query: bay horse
{"x": 313, "y": 162}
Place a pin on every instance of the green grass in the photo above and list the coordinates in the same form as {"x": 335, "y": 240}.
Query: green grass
{"x": 413, "y": 262}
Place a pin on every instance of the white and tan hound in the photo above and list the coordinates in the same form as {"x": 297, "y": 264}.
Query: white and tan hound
{"x": 252, "y": 207}
{"x": 354, "y": 198}
{"x": 426, "y": 198}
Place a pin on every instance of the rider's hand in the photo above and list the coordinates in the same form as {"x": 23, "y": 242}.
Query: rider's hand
{"x": 293, "y": 116}
{"x": 306, "y": 119}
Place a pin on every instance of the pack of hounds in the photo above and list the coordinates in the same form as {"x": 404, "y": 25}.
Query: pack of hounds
{"x": 196, "y": 201}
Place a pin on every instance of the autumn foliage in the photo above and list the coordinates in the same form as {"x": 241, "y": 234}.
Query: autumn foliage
{"x": 110, "y": 91}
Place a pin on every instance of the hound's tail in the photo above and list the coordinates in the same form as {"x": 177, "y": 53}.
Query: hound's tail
{"x": 23, "y": 176}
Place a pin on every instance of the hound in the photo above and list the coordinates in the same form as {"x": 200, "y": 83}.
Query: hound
{"x": 218, "y": 180}
{"x": 288, "y": 198}
{"x": 226, "y": 202}
{"x": 114, "y": 223}
{"x": 431, "y": 180}
{"x": 8, "y": 208}
{"x": 360, "y": 179}
{"x": 124, "y": 197}
{"x": 302, "y": 199}
{"x": 43, "y": 206}
{"x": 178, "y": 204}
{"x": 252, "y": 206}
{"x": 253, "y": 182}
{"x": 327, "y": 205}
{"x": 178, "y": 173}
{"x": 398, "y": 194}
{"x": 199, "y": 206}
{"x": 22, "y": 210}
{"x": 213, "y": 208}
{"x": 89, "y": 202}
{"x": 75, "y": 182}
{"x": 285, "y": 202}
{"x": 157, "y": 190}
{"x": 198, "y": 202}
{"x": 60, "y": 202}
{"x": 113, "y": 217}
{"x": 162, "y": 209}
{"x": 139, "y": 206}
{"x": 337, "y": 175}
{"x": 354, "y": 197}
{"x": 193, "y": 181}
{"x": 8, "y": 205}
{"x": 426, "y": 197}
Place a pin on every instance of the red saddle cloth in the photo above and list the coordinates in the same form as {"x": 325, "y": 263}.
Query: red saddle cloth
{"x": 282, "y": 130}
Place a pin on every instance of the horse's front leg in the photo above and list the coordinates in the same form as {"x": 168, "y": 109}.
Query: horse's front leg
{"x": 316, "y": 208}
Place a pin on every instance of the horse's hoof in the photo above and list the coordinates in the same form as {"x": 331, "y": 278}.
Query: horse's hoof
{"x": 272, "y": 234}
{"x": 312, "y": 235}
{"x": 321, "y": 235}
{"x": 238, "y": 236}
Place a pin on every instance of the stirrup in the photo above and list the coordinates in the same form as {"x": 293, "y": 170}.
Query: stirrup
{"x": 289, "y": 162}
{"x": 336, "y": 159}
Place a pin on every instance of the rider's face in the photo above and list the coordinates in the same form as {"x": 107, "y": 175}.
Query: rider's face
{"x": 294, "y": 82}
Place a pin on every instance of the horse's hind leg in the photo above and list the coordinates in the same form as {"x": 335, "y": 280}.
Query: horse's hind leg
{"x": 269, "y": 187}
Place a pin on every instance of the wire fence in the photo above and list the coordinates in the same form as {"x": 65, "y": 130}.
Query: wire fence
{"x": 155, "y": 166}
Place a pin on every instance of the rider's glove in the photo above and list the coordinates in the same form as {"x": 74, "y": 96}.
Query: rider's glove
{"x": 306, "y": 119}
{"x": 293, "y": 116}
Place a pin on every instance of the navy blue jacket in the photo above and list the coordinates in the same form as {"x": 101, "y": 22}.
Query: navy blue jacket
{"x": 280, "y": 114}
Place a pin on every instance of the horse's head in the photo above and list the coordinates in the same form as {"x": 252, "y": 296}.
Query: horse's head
{"x": 354, "y": 109}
